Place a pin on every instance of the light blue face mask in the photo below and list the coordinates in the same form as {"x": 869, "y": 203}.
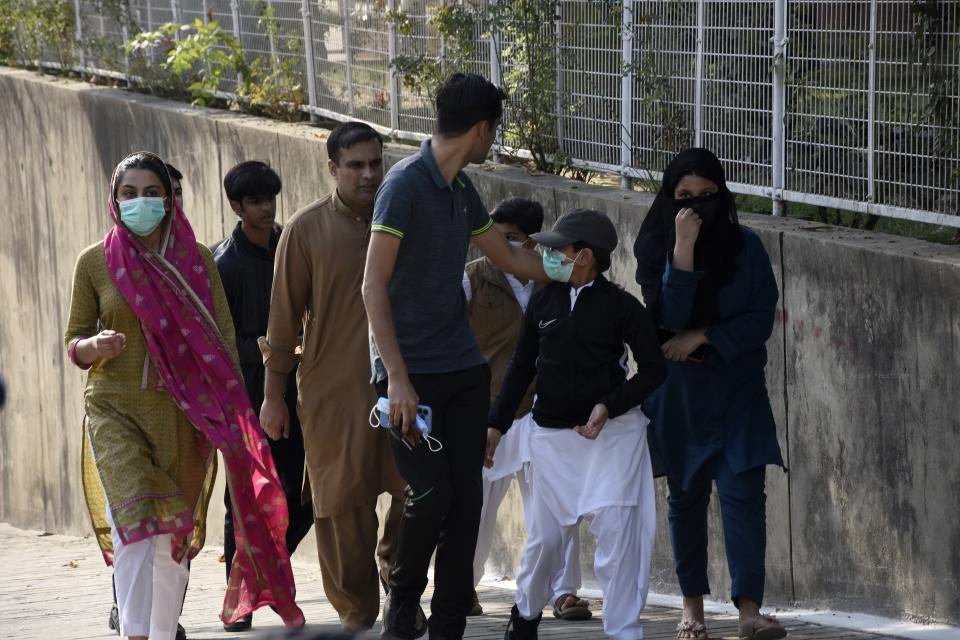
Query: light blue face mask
{"x": 554, "y": 266}
{"x": 142, "y": 215}
{"x": 380, "y": 418}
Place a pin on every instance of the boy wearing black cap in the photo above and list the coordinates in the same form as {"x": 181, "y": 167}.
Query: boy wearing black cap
{"x": 588, "y": 451}
{"x": 496, "y": 302}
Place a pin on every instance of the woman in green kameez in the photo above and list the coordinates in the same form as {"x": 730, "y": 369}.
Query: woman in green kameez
{"x": 150, "y": 321}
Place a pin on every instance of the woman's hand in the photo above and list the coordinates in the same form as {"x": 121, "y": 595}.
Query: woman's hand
{"x": 105, "y": 345}
{"x": 688, "y": 227}
{"x": 679, "y": 347}
{"x": 688, "y": 230}
{"x": 109, "y": 344}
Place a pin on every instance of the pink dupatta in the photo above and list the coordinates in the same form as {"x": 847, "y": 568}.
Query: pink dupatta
{"x": 171, "y": 295}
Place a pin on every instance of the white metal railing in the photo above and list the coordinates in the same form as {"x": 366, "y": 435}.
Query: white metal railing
{"x": 809, "y": 101}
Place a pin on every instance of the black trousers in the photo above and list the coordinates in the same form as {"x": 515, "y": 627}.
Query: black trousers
{"x": 288, "y": 458}
{"x": 444, "y": 496}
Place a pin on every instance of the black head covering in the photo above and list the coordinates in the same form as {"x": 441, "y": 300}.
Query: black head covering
{"x": 717, "y": 247}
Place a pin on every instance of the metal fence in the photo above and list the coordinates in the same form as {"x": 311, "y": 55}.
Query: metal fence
{"x": 846, "y": 104}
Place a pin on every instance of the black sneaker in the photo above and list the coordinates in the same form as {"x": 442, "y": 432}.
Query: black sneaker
{"x": 181, "y": 633}
{"x": 114, "y": 622}
{"x": 402, "y": 621}
{"x": 243, "y": 624}
{"x": 476, "y": 608}
{"x": 520, "y": 629}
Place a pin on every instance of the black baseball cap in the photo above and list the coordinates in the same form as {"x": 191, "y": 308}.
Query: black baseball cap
{"x": 580, "y": 225}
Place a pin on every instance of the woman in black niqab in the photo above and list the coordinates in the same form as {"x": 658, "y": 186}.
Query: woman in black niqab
{"x": 717, "y": 246}
{"x": 709, "y": 285}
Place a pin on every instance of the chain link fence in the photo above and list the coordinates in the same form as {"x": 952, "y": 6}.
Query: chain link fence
{"x": 846, "y": 104}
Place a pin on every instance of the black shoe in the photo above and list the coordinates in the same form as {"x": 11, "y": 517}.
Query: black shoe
{"x": 521, "y": 629}
{"x": 477, "y": 608}
{"x": 243, "y": 624}
{"x": 402, "y": 621}
{"x": 114, "y": 622}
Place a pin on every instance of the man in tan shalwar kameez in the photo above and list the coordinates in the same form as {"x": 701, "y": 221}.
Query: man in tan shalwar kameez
{"x": 316, "y": 290}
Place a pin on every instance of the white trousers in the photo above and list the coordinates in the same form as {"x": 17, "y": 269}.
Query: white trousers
{"x": 567, "y": 578}
{"x": 624, "y": 537}
{"x": 150, "y": 586}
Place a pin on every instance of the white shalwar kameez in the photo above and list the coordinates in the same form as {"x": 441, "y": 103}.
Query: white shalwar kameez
{"x": 511, "y": 461}
{"x": 609, "y": 483}
{"x": 150, "y": 585}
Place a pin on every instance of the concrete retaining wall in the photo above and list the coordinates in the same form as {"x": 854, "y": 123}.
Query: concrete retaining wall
{"x": 864, "y": 361}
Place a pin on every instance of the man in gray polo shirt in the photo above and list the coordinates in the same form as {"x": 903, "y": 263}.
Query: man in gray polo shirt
{"x": 425, "y": 216}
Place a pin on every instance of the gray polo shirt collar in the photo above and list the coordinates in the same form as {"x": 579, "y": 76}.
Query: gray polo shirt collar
{"x": 426, "y": 153}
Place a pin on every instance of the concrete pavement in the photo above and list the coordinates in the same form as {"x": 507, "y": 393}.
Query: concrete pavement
{"x": 57, "y": 587}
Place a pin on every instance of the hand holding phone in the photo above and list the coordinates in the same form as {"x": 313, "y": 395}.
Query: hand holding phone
{"x": 689, "y": 345}
{"x": 698, "y": 355}
{"x": 423, "y": 423}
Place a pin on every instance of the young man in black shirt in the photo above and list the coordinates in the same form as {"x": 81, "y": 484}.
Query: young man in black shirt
{"x": 245, "y": 261}
{"x": 588, "y": 450}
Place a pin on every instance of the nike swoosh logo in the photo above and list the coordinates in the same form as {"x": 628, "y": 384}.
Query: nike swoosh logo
{"x": 544, "y": 325}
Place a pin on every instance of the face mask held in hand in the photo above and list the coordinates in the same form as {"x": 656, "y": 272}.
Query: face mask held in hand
{"x": 142, "y": 215}
{"x": 380, "y": 418}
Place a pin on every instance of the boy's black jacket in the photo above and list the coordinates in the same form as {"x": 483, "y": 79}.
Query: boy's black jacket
{"x": 578, "y": 358}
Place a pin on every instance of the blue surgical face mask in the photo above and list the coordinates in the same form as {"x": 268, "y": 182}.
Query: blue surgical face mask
{"x": 555, "y": 267}
{"x": 380, "y": 417}
{"x": 142, "y": 215}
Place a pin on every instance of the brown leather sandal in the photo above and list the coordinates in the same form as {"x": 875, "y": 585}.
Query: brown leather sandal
{"x": 572, "y": 612}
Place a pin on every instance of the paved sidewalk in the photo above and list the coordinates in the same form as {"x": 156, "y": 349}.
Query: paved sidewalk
{"x": 57, "y": 587}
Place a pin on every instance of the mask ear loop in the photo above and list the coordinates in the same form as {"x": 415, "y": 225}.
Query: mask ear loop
{"x": 430, "y": 440}
{"x": 374, "y": 421}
